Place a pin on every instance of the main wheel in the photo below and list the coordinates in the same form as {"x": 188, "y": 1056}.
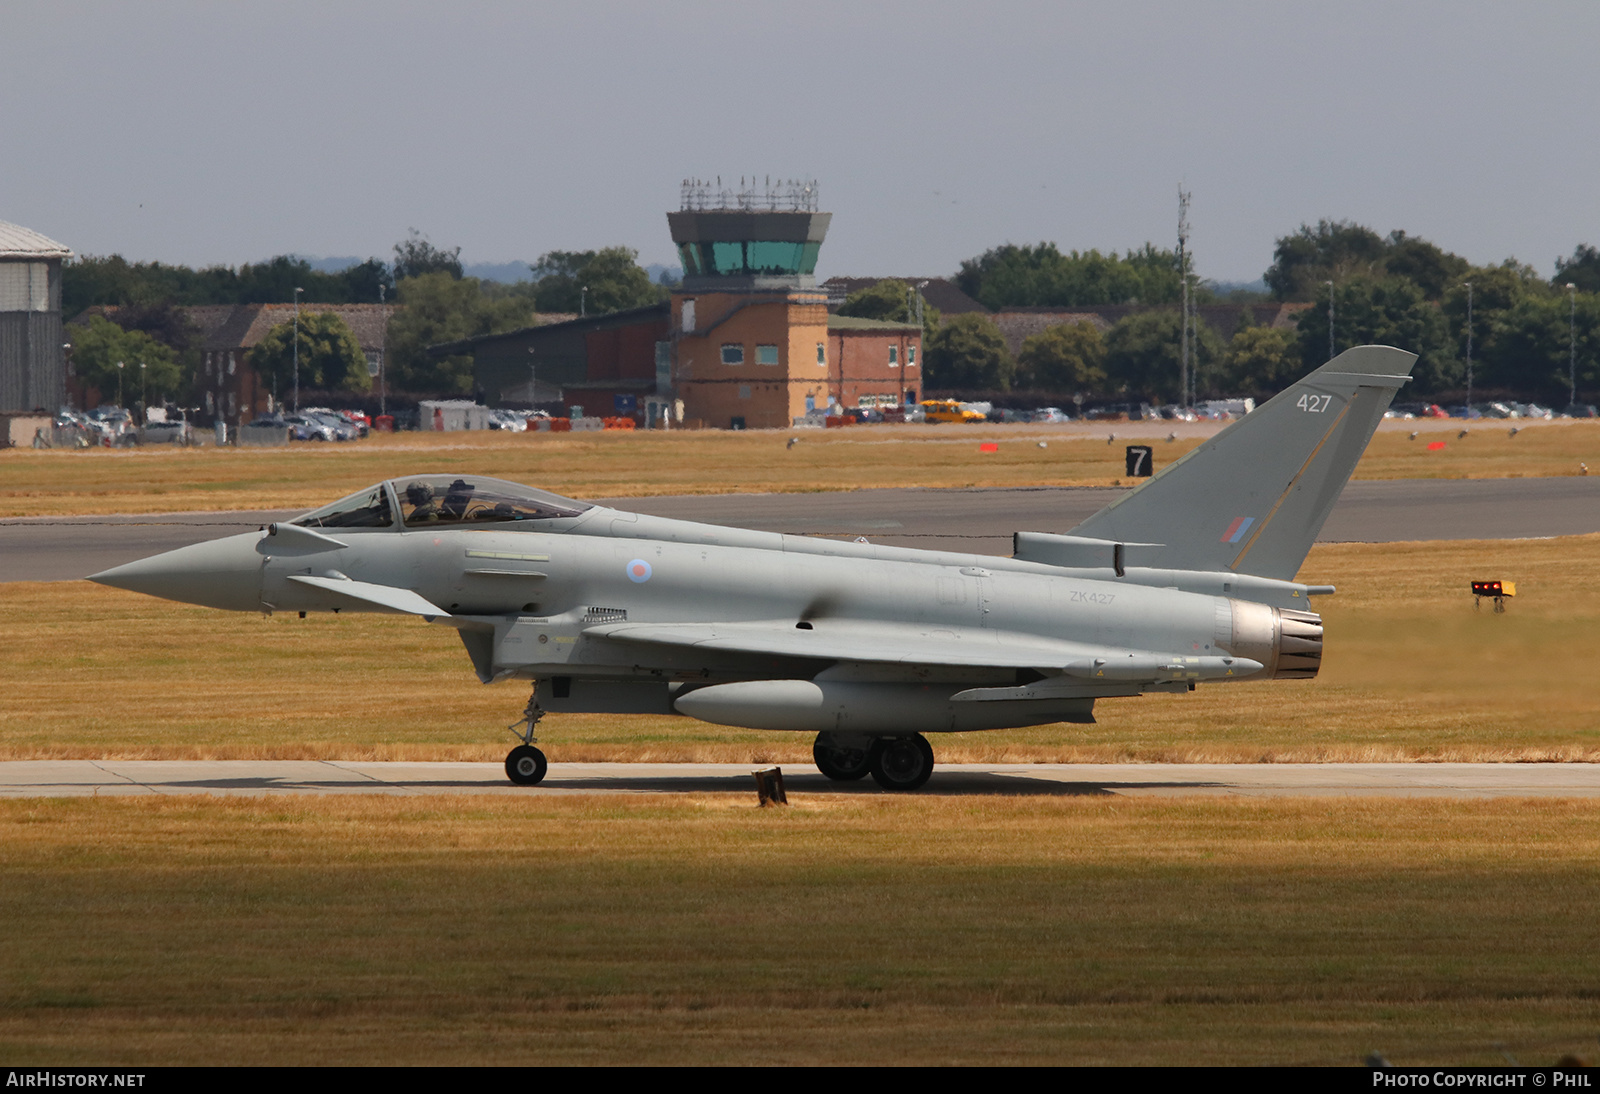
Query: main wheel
{"x": 840, "y": 763}
{"x": 526, "y": 765}
{"x": 902, "y": 763}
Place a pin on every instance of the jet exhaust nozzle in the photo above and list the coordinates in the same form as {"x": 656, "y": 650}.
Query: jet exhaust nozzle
{"x": 1286, "y": 641}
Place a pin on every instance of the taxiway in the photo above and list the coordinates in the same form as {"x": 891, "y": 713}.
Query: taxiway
{"x": 120, "y": 778}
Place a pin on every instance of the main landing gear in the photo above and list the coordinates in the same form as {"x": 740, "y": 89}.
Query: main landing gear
{"x": 526, "y": 765}
{"x": 895, "y": 763}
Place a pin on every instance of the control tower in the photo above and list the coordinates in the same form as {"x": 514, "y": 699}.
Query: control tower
{"x": 749, "y": 325}
{"x": 749, "y": 239}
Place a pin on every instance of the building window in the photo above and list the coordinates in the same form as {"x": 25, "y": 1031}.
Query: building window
{"x": 732, "y": 353}
{"x": 744, "y": 391}
{"x": 688, "y": 316}
{"x": 911, "y": 356}
{"x": 894, "y": 356}
{"x": 766, "y": 355}
{"x": 822, "y": 354}
{"x": 231, "y": 362}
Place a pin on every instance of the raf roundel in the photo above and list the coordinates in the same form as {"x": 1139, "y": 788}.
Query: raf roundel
{"x": 639, "y": 571}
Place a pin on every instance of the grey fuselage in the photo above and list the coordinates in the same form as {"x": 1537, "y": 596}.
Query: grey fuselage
{"x": 889, "y": 639}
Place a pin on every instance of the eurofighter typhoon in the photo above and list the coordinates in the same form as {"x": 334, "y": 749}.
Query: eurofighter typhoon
{"x": 1188, "y": 580}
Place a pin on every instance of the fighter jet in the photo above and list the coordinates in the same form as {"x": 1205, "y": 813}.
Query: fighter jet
{"x": 1189, "y": 579}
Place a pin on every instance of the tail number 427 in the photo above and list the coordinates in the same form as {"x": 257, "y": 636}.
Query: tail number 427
{"x": 1314, "y": 404}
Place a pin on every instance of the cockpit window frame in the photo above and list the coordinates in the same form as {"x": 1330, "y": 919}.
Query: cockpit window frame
{"x": 390, "y": 499}
{"x": 457, "y": 509}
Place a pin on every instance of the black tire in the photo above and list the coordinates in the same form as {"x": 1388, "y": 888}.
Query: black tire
{"x": 841, "y": 764}
{"x": 526, "y": 765}
{"x": 902, "y": 763}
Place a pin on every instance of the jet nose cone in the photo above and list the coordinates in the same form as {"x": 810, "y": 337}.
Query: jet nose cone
{"x": 225, "y": 573}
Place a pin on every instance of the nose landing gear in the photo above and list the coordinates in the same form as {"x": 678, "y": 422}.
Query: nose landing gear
{"x": 526, "y": 765}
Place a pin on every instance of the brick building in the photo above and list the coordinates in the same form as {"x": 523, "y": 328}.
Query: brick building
{"x": 874, "y": 363}
{"x": 227, "y": 387}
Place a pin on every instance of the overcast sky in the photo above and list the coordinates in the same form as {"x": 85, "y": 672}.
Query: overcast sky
{"x": 223, "y": 133}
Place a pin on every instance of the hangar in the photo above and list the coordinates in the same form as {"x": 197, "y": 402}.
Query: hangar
{"x": 33, "y": 363}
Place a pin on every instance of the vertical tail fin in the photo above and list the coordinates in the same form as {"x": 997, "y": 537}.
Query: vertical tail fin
{"x": 1253, "y": 498}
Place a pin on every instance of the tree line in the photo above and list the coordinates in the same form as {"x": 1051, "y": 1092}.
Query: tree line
{"x": 436, "y": 304}
{"x": 1396, "y": 289}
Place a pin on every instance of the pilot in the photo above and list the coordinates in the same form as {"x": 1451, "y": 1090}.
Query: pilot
{"x": 456, "y": 499}
{"x": 420, "y": 498}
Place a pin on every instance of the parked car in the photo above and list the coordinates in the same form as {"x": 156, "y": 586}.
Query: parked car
{"x": 343, "y": 428}
{"x": 948, "y": 410}
{"x": 303, "y": 427}
{"x": 347, "y": 424}
{"x": 1051, "y": 414}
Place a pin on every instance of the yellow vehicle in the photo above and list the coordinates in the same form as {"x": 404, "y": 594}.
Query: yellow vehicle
{"x": 948, "y": 410}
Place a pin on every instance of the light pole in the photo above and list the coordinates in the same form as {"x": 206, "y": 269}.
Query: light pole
{"x": 583, "y": 301}
{"x": 383, "y": 346}
{"x": 120, "y": 367}
{"x": 1330, "y": 319}
{"x": 533, "y": 382}
{"x": 144, "y": 405}
{"x": 297, "y": 293}
{"x": 66, "y": 348}
{"x": 1469, "y": 349}
{"x": 1572, "y": 344}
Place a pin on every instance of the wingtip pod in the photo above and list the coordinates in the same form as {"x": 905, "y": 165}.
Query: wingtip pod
{"x": 1253, "y": 498}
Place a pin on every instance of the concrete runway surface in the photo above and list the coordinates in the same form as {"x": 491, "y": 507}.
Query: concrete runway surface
{"x": 125, "y": 778}
{"x": 978, "y": 521}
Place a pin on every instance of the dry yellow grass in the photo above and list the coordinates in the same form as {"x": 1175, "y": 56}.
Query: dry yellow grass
{"x": 165, "y": 479}
{"x": 856, "y": 930}
{"x": 1411, "y": 672}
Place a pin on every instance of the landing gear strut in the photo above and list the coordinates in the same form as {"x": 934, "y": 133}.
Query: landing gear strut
{"x": 901, "y": 763}
{"x": 526, "y": 765}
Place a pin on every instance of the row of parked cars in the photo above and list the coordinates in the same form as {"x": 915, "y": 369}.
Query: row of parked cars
{"x": 1500, "y": 410}
{"x": 316, "y": 424}
{"x": 949, "y": 410}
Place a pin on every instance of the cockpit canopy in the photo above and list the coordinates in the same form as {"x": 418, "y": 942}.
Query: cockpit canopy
{"x": 432, "y": 501}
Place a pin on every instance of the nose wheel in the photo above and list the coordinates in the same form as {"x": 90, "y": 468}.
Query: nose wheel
{"x": 526, "y": 765}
